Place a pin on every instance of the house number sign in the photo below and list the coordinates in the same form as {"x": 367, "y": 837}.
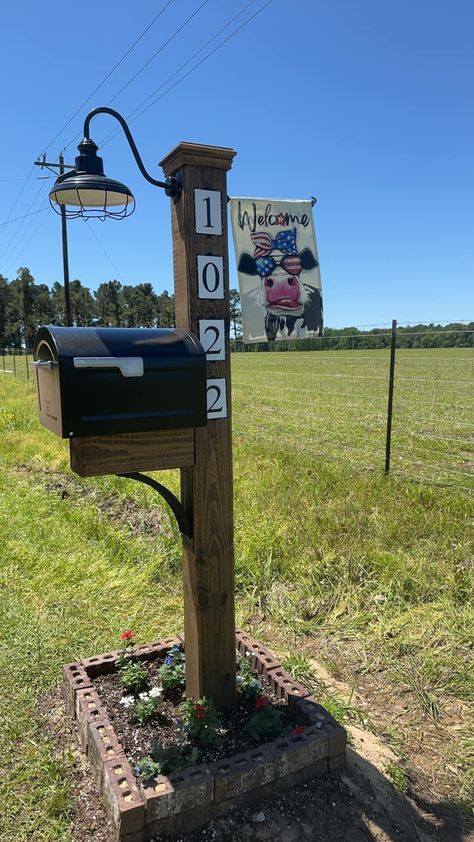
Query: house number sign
{"x": 210, "y": 276}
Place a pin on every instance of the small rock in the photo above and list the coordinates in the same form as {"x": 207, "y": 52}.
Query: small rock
{"x": 258, "y": 817}
{"x": 289, "y": 834}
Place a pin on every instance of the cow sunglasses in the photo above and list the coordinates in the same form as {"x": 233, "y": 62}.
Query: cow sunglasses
{"x": 266, "y": 265}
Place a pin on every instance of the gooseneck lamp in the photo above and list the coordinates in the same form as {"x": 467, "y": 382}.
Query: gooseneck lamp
{"x": 87, "y": 192}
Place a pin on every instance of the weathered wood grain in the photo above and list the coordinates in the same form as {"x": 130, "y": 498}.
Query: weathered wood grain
{"x": 207, "y": 487}
{"x": 129, "y": 452}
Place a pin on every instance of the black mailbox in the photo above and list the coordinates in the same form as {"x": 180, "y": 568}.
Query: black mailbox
{"x": 103, "y": 381}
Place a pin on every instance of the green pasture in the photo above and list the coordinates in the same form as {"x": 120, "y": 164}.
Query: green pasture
{"x": 329, "y": 551}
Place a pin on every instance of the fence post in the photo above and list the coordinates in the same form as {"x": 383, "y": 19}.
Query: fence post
{"x": 14, "y": 362}
{"x": 3, "y": 357}
{"x": 27, "y": 369}
{"x": 391, "y": 383}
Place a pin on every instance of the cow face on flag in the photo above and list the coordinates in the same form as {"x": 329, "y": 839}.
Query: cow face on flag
{"x": 279, "y": 265}
{"x": 284, "y": 300}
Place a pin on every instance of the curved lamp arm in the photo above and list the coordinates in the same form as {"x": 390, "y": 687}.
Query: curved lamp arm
{"x": 172, "y": 186}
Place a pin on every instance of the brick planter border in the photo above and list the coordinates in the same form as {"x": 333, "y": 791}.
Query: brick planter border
{"x": 186, "y": 800}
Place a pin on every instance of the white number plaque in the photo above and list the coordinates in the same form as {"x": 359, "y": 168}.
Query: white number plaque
{"x": 216, "y": 398}
{"x": 207, "y": 211}
{"x": 212, "y": 338}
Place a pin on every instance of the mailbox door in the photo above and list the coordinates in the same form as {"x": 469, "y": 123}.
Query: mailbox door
{"x": 47, "y": 389}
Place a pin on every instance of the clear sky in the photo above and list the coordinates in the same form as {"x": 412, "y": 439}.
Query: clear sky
{"x": 367, "y": 105}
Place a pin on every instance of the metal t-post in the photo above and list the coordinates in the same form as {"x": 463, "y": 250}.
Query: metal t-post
{"x": 391, "y": 383}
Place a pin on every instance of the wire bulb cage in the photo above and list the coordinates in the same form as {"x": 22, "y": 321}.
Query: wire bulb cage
{"x": 77, "y": 208}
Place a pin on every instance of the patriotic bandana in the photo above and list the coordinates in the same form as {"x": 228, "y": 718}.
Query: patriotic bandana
{"x": 284, "y": 241}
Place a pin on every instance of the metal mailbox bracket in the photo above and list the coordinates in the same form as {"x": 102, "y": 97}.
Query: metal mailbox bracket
{"x": 182, "y": 519}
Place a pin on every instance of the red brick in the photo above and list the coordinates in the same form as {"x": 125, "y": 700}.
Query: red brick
{"x": 178, "y": 792}
{"x": 103, "y": 747}
{"x": 243, "y": 772}
{"x": 124, "y": 802}
{"x": 285, "y": 687}
{"x": 88, "y": 709}
{"x": 74, "y": 678}
{"x": 296, "y": 751}
{"x": 312, "y": 712}
{"x": 100, "y": 664}
{"x": 318, "y": 716}
{"x": 337, "y": 762}
{"x": 301, "y": 776}
{"x": 263, "y": 660}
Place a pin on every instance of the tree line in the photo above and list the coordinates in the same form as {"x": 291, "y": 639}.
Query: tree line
{"x": 454, "y": 335}
{"x": 25, "y": 304}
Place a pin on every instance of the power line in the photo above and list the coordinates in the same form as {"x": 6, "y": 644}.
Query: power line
{"x": 132, "y": 79}
{"x": 160, "y": 49}
{"x": 199, "y": 63}
{"x": 92, "y": 231}
{"x": 115, "y": 133}
{"x": 17, "y": 218}
{"x": 5, "y": 250}
{"x": 17, "y": 198}
{"x": 109, "y": 74}
{"x": 27, "y": 244}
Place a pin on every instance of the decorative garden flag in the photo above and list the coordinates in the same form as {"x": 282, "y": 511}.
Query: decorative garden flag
{"x": 278, "y": 269}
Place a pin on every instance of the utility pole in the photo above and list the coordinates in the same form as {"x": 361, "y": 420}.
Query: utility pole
{"x": 67, "y": 292}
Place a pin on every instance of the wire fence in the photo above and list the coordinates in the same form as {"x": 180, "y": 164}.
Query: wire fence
{"x": 334, "y": 405}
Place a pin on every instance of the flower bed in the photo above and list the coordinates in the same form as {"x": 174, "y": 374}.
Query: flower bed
{"x": 164, "y": 764}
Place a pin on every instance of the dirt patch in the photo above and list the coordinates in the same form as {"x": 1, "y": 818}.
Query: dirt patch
{"x": 147, "y": 523}
{"x": 359, "y": 805}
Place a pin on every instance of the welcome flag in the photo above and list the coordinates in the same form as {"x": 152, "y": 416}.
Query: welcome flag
{"x": 278, "y": 269}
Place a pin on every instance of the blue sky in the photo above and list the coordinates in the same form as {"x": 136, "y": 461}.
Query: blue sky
{"x": 367, "y": 105}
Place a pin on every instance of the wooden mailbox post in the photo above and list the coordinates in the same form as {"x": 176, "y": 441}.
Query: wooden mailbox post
{"x": 203, "y": 454}
{"x": 201, "y": 275}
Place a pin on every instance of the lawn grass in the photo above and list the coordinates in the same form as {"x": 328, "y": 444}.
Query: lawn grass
{"x": 380, "y": 565}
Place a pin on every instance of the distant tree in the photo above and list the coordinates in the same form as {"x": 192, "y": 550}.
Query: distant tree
{"x": 166, "y": 312}
{"x": 108, "y": 303}
{"x": 140, "y": 306}
{"x": 3, "y": 311}
{"x": 235, "y": 314}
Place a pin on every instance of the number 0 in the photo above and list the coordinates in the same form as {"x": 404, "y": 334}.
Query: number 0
{"x": 210, "y": 272}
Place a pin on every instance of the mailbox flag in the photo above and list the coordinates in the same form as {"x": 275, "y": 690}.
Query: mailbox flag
{"x": 278, "y": 269}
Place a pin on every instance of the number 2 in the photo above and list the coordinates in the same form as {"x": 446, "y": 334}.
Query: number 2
{"x": 216, "y": 398}
{"x": 212, "y": 338}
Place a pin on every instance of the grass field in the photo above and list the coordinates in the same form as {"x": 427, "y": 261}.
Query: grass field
{"x": 330, "y": 554}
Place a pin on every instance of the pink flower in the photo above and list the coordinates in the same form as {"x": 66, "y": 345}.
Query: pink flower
{"x": 260, "y": 702}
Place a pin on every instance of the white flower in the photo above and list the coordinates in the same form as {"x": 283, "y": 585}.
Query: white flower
{"x": 155, "y": 691}
{"x": 144, "y": 696}
{"x": 127, "y": 701}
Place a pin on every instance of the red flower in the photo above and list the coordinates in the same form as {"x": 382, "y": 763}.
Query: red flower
{"x": 260, "y": 702}
{"x": 200, "y": 711}
{"x": 298, "y": 729}
{"x": 127, "y": 635}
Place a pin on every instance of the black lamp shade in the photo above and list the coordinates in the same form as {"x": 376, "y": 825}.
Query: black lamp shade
{"x": 85, "y": 191}
{"x": 90, "y": 191}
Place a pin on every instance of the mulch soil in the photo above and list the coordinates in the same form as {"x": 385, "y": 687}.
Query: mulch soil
{"x": 137, "y": 739}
